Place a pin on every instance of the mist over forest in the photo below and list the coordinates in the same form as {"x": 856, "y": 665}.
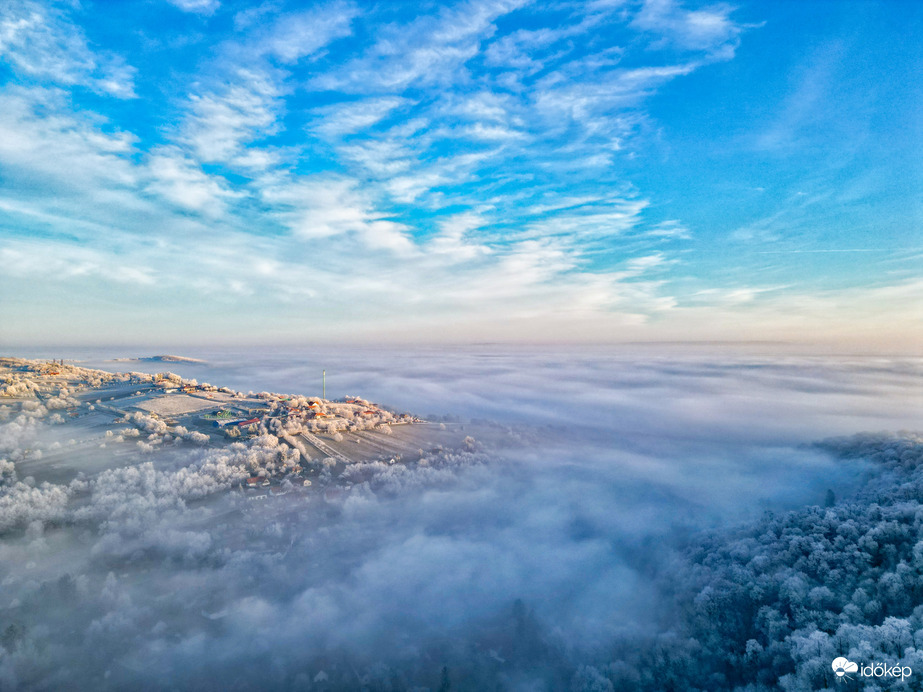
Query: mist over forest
{"x": 664, "y": 522}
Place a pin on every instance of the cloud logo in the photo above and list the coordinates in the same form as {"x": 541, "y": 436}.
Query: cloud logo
{"x": 842, "y": 666}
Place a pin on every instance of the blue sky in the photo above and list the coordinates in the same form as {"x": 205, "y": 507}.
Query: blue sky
{"x": 207, "y": 171}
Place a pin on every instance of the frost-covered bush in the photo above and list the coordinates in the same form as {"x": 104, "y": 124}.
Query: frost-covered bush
{"x": 147, "y": 423}
{"x": 18, "y": 387}
{"x": 21, "y": 503}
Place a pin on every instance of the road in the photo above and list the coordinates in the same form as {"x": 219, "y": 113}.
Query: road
{"x": 325, "y": 448}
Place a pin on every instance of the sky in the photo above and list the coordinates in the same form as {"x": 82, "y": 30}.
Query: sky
{"x": 209, "y": 171}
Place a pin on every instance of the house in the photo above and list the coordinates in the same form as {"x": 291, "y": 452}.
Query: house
{"x": 251, "y": 426}
{"x": 224, "y": 422}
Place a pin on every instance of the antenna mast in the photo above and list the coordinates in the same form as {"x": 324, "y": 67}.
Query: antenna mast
{"x": 324, "y": 397}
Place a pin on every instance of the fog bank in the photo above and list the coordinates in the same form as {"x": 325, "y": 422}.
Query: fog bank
{"x": 523, "y": 559}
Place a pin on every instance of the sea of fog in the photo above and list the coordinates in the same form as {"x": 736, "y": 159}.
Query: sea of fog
{"x": 594, "y": 465}
{"x": 718, "y": 427}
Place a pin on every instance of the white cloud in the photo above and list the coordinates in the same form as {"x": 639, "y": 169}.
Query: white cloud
{"x": 640, "y": 265}
{"x": 448, "y": 180}
{"x": 600, "y": 103}
{"x": 249, "y": 17}
{"x": 197, "y": 6}
{"x": 452, "y": 239}
{"x": 484, "y": 107}
{"x": 222, "y": 123}
{"x": 39, "y": 136}
{"x": 318, "y": 208}
{"x": 594, "y": 219}
{"x": 408, "y": 189}
{"x": 490, "y": 133}
{"x": 382, "y": 158}
{"x": 348, "y": 118}
{"x": 298, "y": 35}
{"x": 430, "y": 50}
{"x": 519, "y": 50}
{"x": 42, "y": 42}
{"x": 240, "y": 103}
{"x": 672, "y": 228}
{"x": 70, "y": 262}
{"x": 709, "y": 28}
{"x": 182, "y": 182}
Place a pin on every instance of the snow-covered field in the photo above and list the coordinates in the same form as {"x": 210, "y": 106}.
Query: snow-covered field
{"x": 175, "y": 405}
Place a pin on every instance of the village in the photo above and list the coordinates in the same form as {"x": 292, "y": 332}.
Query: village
{"x": 312, "y": 439}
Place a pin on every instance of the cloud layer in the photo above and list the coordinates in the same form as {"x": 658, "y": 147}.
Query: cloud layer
{"x": 524, "y": 556}
{"x": 466, "y": 172}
